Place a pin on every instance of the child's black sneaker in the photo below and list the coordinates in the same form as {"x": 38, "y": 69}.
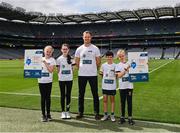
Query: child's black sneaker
{"x": 122, "y": 120}
{"x": 131, "y": 122}
{"x": 49, "y": 118}
{"x": 79, "y": 116}
{"x": 43, "y": 118}
{"x": 97, "y": 117}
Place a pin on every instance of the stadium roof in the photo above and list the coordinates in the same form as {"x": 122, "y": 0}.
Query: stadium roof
{"x": 8, "y": 12}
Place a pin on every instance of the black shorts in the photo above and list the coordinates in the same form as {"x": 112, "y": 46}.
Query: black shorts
{"x": 109, "y": 92}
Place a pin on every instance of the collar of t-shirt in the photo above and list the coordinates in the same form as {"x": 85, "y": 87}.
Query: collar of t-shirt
{"x": 87, "y": 44}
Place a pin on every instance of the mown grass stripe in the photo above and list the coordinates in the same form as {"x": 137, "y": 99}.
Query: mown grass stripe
{"x": 29, "y": 94}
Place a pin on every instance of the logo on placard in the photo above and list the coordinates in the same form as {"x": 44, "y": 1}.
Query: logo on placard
{"x": 133, "y": 64}
{"x": 143, "y": 54}
{"x": 28, "y": 61}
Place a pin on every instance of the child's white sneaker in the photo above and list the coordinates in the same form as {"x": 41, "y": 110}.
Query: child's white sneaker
{"x": 104, "y": 118}
{"x": 112, "y": 118}
{"x": 63, "y": 115}
{"x": 68, "y": 116}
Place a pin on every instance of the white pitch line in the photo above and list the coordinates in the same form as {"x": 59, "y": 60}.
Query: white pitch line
{"x": 101, "y": 97}
{"x": 30, "y": 94}
{"x": 161, "y": 66}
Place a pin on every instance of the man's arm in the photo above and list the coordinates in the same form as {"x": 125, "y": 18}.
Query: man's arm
{"x": 77, "y": 60}
{"x": 98, "y": 61}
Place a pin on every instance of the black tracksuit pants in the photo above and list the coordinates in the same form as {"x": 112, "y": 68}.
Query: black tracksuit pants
{"x": 126, "y": 94}
{"x": 65, "y": 89}
{"x": 45, "y": 91}
{"x": 93, "y": 81}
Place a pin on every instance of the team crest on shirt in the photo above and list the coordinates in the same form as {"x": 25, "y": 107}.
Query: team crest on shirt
{"x": 63, "y": 66}
{"x": 106, "y": 75}
{"x": 84, "y": 56}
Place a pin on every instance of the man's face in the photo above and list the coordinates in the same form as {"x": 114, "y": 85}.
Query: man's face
{"x": 87, "y": 38}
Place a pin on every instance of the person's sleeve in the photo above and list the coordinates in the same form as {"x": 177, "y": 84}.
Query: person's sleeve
{"x": 98, "y": 54}
{"x": 53, "y": 62}
{"x": 118, "y": 68}
{"x": 77, "y": 53}
{"x": 57, "y": 62}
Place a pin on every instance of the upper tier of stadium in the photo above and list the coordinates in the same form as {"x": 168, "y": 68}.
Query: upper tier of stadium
{"x": 9, "y": 13}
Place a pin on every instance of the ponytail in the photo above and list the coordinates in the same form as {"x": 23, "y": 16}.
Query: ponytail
{"x": 69, "y": 59}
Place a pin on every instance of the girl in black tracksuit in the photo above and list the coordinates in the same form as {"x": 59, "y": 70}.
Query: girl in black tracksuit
{"x": 65, "y": 75}
{"x": 45, "y": 82}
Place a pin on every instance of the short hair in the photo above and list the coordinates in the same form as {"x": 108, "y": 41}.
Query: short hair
{"x": 109, "y": 53}
{"x": 87, "y": 32}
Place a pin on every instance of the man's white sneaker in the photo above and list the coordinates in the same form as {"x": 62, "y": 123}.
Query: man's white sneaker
{"x": 105, "y": 117}
{"x": 68, "y": 116}
{"x": 63, "y": 115}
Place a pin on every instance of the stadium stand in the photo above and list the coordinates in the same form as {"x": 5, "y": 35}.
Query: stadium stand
{"x": 154, "y": 52}
{"x": 11, "y": 53}
{"x": 130, "y": 30}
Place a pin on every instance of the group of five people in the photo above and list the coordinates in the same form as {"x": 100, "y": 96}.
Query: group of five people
{"x": 87, "y": 60}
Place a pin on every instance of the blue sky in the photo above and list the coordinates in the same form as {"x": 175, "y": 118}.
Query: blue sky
{"x": 87, "y": 6}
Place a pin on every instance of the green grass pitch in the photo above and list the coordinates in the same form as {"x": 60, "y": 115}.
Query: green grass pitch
{"x": 156, "y": 100}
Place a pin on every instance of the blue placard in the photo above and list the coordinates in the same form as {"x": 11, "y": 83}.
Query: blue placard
{"x": 65, "y": 72}
{"x": 44, "y": 74}
{"x": 87, "y": 61}
{"x": 138, "y": 62}
{"x": 33, "y": 63}
{"x": 32, "y": 73}
{"x": 108, "y": 81}
{"x": 140, "y": 77}
{"x": 125, "y": 79}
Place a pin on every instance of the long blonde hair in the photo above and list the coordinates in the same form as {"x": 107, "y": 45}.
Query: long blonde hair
{"x": 49, "y": 46}
{"x": 121, "y": 51}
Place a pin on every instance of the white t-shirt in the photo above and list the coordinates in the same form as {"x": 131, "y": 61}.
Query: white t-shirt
{"x": 124, "y": 81}
{"x": 65, "y": 72}
{"x": 47, "y": 77}
{"x": 87, "y": 55}
{"x": 109, "y": 77}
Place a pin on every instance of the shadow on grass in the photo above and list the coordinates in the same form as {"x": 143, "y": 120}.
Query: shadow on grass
{"x": 88, "y": 122}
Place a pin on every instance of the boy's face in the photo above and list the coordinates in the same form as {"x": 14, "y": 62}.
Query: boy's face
{"x": 109, "y": 58}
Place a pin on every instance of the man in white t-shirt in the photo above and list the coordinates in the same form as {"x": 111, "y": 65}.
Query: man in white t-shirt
{"x": 87, "y": 58}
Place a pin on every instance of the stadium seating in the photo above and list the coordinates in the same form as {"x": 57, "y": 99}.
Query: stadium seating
{"x": 154, "y": 52}
{"x": 11, "y": 53}
{"x": 98, "y": 29}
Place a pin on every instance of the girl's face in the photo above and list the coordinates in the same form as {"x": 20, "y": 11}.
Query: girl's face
{"x": 65, "y": 50}
{"x": 48, "y": 52}
{"x": 109, "y": 59}
{"x": 121, "y": 56}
